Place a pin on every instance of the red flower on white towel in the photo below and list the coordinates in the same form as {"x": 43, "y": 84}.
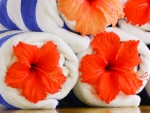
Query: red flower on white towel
{"x": 137, "y": 11}
{"x": 91, "y": 16}
{"x": 36, "y": 72}
{"x": 110, "y": 69}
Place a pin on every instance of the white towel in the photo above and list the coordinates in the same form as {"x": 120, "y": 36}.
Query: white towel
{"x": 39, "y": 15}
{"x": 87, "y": 93}
{"x": 68, "y": 62}
{"x": 136, "y": 24}
{"x": 140, "y": 8}
{"x": 135, "y": 30}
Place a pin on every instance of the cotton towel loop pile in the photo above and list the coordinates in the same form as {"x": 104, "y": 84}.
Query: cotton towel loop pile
{"x": 143, "y": 35}
{"x": 39, "y": 15}
{"x": 68, "y": 62}
{"x": 88, "y": 95}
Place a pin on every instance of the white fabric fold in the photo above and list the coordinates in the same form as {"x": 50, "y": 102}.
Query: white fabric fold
{"x": 146, "y": 26}
{"x": 2, "y": 27}
{"x": 68, "y": 62}
{"x": 136, "y": 31}
{"x": 40, "y": 15}
{"x": 88, "y": 95}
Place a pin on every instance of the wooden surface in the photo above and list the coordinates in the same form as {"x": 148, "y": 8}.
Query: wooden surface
{"x": 141, "y": 109}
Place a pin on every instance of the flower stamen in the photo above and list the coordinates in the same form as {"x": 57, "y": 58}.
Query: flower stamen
{"x": 53, "y": 76}
{"x": 24, "y": 73}
{"x": 144, "y": 76}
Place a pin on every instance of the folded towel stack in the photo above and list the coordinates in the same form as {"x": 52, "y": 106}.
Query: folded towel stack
{"x": 42, "y": 42}
{"x": 39, "y": 15}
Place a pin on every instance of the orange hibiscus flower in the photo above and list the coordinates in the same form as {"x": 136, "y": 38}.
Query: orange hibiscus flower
{"x": 111, "y": 68}
{"x": 91, "y": 16}
{"x": 137, "y": 11}
{"x": 36, "y": 72}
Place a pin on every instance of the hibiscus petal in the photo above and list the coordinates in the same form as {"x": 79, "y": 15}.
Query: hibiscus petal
{"x": 16, "y": 75}
{"x": 137, "y": 12}
{"x": 26, "y": 53}
{"x": 93, "y": 22}
{"x": 76, "y": 5}
{"x": 112, "y": 9}
{"x": 129, "y": 83}
{"x": 49, "y": 64}
{"x": 106, "y": 44}
{"x": 89, "y": 18}
{"x": 36, "y": 76}
{"x": 107, "y": 87}
{"x": 127, "y": 58}
{"x": 33, "y": 89}
{"x": 91, "y": 67}
{"x": 53, "y": 81}
{"x": 49, "y": 59}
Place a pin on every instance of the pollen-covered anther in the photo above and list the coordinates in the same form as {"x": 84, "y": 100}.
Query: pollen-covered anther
{"x": 144, "y": 76}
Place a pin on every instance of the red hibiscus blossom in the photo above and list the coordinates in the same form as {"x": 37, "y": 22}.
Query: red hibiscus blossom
{"x": 36, "y": 72}
{"x": 91, "y": 16}
{"x": 111, "y": 69}
{"x": 137, "y": 11}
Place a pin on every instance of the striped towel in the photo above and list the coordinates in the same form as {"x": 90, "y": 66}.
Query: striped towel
{"x": 12, "y": 97}
{"x": 2, "y": 27}
{"x": 39, "y": 15}
{"x": 87, "y": 93}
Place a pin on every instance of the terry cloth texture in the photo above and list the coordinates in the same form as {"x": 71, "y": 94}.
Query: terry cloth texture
{"x": 39, "y": 15}
{"x": 68, "y": 62}
{"x": 88, "y": 95}
{"x": 140, "y": 32}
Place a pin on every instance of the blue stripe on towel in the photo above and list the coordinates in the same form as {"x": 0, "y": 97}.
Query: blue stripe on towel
{"x": 4, "y": 18}
{"x": 2, "y": 41}
{"x": 4, "y": 103}
{"x": 5, "y": 38}
{"x": 28, "y": 11}
{"x": 66, "y": 27}
{"x": 3, "y": 31}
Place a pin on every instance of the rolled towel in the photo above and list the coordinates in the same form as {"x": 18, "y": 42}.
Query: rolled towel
{"x": 2, "y": 27}
{"x": 98, "y": 14}
{"x": 147, "y": 93}
{"x": 137, "y": 13}
{"x": 113, "y": 70}
{"x": 134, "y": 30}
{"x": 37, "y": 69}
{"x": 136, "y": 19}
{"x": 39, "y": 15}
